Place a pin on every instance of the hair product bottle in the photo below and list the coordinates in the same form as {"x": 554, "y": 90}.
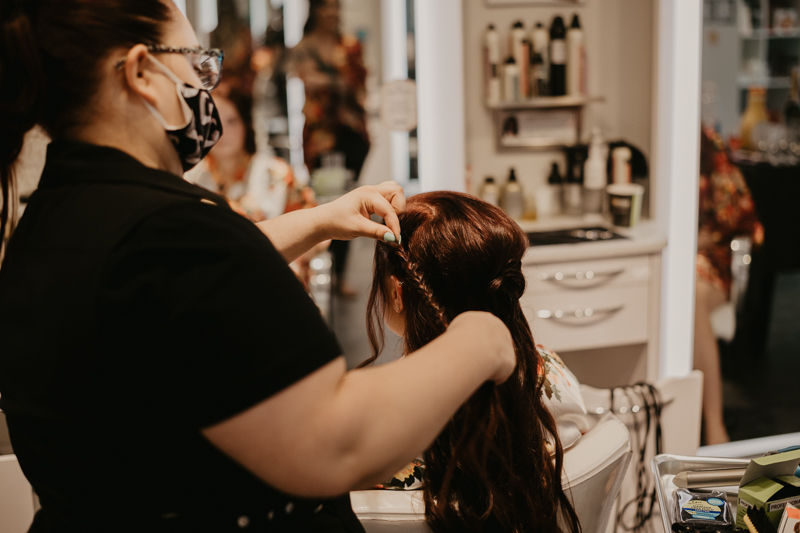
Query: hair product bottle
{"x": 573, "y": 189}
{"x": 491, "y": 66}
{"x": 524, "y": 70}
{"x": 511, "y": 80}
{"x": 541, "y": 47}
{"x": 489, "y": 192}
{"x": 621, "y": 158}
{"x": 513, "y": 199}
{"x": 515, "y": 38}
{"x": 754, "y": 114}
{"x": 558, "y": 58}
{"x": 549, "y": 197}
{"x": 576, "y": 60}
{"x": 595, "y": 178}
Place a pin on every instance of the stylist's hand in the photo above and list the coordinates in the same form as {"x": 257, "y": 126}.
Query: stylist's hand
{"x": 348, "y": 217}
{"x": 489, "y": 331}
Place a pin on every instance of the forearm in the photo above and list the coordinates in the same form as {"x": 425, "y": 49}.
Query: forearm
{"x": 293, "y": 234}
{"x": 409, "y": 403}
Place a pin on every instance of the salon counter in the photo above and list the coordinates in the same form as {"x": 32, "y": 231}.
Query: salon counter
{"x": 645, "y": 239}
{"x": 597, "y": 303}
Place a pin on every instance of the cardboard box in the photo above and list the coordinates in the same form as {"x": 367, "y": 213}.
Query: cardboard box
{"x": 790, "y": 523}
{"x": 769, "y": 484}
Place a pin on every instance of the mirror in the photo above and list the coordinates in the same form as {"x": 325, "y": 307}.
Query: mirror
{"x": 748, "y": 272}
{"x": 302, "y": 83}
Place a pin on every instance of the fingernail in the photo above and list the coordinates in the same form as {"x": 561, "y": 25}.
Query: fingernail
{"x": 399, "y": 239}
{"x": 389, "y": 237}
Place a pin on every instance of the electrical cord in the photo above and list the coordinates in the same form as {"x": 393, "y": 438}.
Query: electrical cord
{"x": 648, "y": 398}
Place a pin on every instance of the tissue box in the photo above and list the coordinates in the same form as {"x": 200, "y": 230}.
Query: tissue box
{"x": 769, "y": 484}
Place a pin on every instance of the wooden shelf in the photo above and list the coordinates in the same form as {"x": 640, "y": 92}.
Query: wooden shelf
{"x": 546, "y": 102}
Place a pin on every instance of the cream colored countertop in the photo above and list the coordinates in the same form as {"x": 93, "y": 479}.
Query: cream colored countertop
{"x": 646, "y": 238}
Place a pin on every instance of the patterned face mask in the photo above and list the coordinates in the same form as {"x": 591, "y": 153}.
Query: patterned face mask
{"x": 203, "y": 127}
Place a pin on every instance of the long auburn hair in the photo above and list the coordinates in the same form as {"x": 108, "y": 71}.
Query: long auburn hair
{"x": 489, "y": 469}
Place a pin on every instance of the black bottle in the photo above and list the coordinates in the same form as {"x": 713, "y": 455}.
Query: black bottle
{"x": 558, "y": 58}
{"x": 556, "y": 186}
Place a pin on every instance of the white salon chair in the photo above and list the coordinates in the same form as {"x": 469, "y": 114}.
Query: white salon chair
{"x": 593, "y": 471}
{"x": 16, "y": 497}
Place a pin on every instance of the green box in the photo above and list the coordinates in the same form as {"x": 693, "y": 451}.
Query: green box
{"x": 768, "y": 484}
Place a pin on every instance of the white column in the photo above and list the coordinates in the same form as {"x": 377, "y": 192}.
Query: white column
{"x": 394, "y": 28}
{"x": 676, "y": 172}
{"x": 440, "y": 93}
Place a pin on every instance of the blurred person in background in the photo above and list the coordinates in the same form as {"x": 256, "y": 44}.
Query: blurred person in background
{"x": 726, "y": 212}
{"x": 258, "y": 185}
{"x": 332, "y": 68}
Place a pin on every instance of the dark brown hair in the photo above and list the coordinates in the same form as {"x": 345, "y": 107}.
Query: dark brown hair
{"x": 50, "y": 53}
{"x": 489, "y": 469}
{"x": 244, "y": 106}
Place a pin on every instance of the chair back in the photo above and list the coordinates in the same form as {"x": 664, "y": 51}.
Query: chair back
{"x": 593, "y": 471}
{"x": 16, "y": 497}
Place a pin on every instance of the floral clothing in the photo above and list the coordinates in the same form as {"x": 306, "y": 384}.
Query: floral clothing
{"x": 726, "y": 212}
{"x": 263, "y": 188}
{"x": 561, "y": 394}
{"x": 334, "y": 112}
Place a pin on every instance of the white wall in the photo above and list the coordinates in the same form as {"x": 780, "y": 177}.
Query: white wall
{"x": 619, "y": 40}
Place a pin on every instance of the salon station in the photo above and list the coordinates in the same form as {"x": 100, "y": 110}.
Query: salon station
{"x": 647, "y": 150}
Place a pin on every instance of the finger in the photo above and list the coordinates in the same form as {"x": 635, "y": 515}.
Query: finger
{"x": 392, "y": 191}
{"x": 368, "y": 228}
{"x": 379, "y": 205}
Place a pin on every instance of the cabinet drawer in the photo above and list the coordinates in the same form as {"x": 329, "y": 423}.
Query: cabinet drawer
{"x": 586, "y": 319}
{"x": 581, "y": 275}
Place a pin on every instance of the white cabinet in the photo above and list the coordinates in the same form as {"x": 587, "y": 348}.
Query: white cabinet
{"x": 596, "y": 305}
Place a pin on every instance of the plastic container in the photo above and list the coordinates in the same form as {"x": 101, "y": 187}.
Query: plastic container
{"x": 625, "y": 204}
{"x": 490, "y": 193}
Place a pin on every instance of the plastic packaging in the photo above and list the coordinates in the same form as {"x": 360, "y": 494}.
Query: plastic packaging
{"x": 702, "y": 510}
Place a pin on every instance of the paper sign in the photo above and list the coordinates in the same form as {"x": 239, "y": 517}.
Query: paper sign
{"x": 399, "y": 105}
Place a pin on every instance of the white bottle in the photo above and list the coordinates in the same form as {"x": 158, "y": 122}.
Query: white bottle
{"x": 576, "y": 59}
{"x": 513, "y": 199}
{"x": 540, "y": 38}
{"x": 515, "y": 38}
{"x": 511, "y": 81}
{"x": 621, "y": 158}
{"x": 490, "y": 193}
{"x": 492, "y": 65}
{"x": 595, "y": 178}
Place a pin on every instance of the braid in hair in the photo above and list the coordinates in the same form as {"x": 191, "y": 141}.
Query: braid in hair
{"x": 418, "y": 282}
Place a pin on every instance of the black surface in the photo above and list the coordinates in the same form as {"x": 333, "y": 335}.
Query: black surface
{"x": 572, "y": 236}
{"x": 776, "y": 195}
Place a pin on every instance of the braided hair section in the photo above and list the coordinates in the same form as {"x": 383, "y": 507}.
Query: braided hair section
{"x": 413, "y": 274}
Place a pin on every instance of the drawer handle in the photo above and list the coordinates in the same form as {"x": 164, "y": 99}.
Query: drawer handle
{"x": 589, "y": 274}
{"x": 578, "y": 313}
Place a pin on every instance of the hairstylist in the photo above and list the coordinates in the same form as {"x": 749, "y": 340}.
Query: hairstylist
{"x": 143, "y": 389}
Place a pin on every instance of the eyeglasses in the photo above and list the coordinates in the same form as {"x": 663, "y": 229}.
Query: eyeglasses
{"x": 207, "y": 63}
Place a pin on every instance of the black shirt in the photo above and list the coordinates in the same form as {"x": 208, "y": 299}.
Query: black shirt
{"x": 135, "y": 309}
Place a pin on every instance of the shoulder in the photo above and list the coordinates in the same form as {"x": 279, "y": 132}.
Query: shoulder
{"x": 197, "y": 225}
